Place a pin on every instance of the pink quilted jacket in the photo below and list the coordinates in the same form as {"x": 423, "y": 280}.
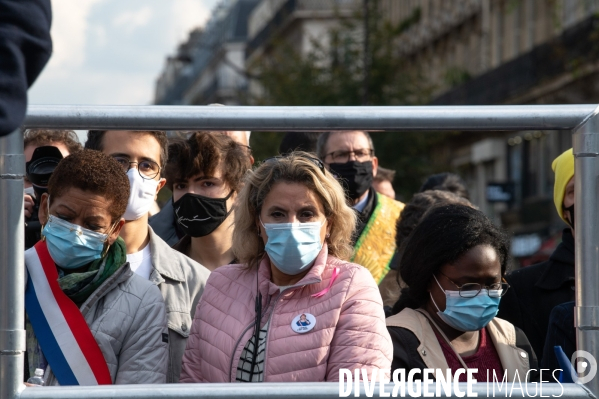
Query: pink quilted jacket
{"x": 349, "y": 331}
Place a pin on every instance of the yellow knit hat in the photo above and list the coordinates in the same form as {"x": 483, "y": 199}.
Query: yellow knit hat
{"x": 563, "y": 166}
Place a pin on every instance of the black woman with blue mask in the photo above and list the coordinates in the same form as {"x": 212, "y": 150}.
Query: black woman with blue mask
{"x": 453, "y": 266}
{"x": 89, "y": 319}
{"x": 293, "y": 309}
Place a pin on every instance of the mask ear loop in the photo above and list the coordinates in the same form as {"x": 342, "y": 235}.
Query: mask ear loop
{"x": 106, "y": 244}
{"x": 431, "y": 295}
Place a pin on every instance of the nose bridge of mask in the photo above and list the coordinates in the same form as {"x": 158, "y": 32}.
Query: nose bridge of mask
{"x": 79, "y": 232}
{"x": 290, "y": 226}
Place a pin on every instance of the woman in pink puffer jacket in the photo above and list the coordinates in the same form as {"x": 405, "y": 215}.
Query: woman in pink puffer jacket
{"x": 311, "y": 312}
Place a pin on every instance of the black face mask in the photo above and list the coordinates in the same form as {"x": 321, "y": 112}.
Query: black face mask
{"x": 571, "y": 210}
{"x": 198, "y": 216}
{"x": 355, "y": 177}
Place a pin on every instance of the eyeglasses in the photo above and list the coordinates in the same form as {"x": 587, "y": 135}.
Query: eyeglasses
{"x": 315, "y": 161}
{"x": 147, "y": 169}
{"x": 470, "y": 290}
{"x": 361, "y": 155}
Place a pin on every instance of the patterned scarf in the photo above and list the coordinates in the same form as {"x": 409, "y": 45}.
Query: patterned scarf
{"x": 79, "y": 286}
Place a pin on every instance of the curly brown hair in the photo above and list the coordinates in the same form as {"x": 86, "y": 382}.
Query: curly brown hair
{"x": 41, "y": 137}
{"x": 92, "y": 171}
{"x": 204, "y": 152}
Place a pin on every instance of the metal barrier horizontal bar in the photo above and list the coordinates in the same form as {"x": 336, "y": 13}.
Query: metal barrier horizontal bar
{"x": 324, "y": 390}
{"x": 509, "y": 117}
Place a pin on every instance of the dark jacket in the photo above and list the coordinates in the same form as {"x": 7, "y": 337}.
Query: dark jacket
{"x": 364, "y": 216}
{"x": 25, "y": 48}
{"x": 535, "y": 290}
{"x": 164, "y": 225}
{"x": 415, "y": 345}
{"x": 561, "y": 332}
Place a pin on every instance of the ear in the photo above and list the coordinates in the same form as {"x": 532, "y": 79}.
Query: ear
{"x": 117, "y": 230}
{"x": 43, "y": 209}
{"x": 375, "y": 166}
{"x": 261, "y": 231}
{"x": 161, "y": 184}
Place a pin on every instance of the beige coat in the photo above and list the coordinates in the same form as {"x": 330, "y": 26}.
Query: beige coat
{"x": 502, "y": 333}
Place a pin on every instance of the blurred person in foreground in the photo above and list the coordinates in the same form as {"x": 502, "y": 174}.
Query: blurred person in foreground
{"x": 410, "y": 217}
{"x": 25, "y": 48}
{"x": 446, "y": 182}
{"x": 205, "y": 174}
{"x": 383, "y": 182}
{"x": 453, "y": 265}
{"x": 350, "y": 157}
{"x": 181, "y": 280}
{"x": 66, "y": 142}
{"x": 294, "y": 309}
{"x": 298, "y": 141}
{"x": 115, "y": 320}
{"x": 539, "y": 288}
{"x": 164, "y": 223}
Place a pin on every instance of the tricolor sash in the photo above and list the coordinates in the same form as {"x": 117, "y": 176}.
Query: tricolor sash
{"x": 63, "y": 334}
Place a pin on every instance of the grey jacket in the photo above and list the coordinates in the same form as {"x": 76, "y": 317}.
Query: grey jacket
{"x": 127, "y": 317}
{"x": 164, "y": 224}
{"x": 181, "y": 281}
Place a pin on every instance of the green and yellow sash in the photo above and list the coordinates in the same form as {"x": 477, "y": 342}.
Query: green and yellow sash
{"x": 376, "y": 245}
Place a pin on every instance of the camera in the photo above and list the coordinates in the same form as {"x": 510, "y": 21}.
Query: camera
{"x": 39, "y": 170}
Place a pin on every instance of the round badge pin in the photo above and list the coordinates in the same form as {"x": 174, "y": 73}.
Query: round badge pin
{"x": 302, "y": 323}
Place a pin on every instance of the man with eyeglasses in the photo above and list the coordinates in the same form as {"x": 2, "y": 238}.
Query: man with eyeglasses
{"x": 180, "y": 279}
{"x": 350, "y": 156}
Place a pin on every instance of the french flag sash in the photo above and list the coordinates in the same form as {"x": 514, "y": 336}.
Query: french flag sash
{"x": 59, "y": 326}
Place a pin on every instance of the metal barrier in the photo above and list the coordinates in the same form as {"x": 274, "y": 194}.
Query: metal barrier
{"x": 311, "y": 390}
{"x": 581, "y": 119}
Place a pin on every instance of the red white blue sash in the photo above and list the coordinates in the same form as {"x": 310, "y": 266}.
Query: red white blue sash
{"x": 62, "y": 332}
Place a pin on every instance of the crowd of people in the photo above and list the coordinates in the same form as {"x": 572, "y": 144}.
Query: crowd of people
{"x": 284, "y": 271}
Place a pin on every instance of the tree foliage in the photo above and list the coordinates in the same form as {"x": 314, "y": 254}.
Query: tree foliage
{"x": 335, "y": 71}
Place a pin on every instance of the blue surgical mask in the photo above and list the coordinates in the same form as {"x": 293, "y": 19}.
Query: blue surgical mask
{"x": 293, "y": 247}
{"x": 468, "y": 314}
{"x": 72, "y": 246}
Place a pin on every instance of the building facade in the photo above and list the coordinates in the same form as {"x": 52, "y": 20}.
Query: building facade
{"x": 484, "y": 52}
{"x": 300, "y": 24}
{"x": 210, "y": 66}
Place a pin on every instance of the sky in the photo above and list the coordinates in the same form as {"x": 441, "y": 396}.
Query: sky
{"x": 110, "y": 52}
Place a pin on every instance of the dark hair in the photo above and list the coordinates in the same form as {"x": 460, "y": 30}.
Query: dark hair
{"x": 298, "y": 141}
{"x": 95, "y": 141}
{"x": 422, "y": 202}
{"x": 442, "y": 237}
{"x": 96, "y": 172}
{"x": 446, "y": 182}
{"x": 204, "y": 152}
{"x": 384, "y": 174}
{"x": 323, "y": 139}
{"x": 41, "y": 137}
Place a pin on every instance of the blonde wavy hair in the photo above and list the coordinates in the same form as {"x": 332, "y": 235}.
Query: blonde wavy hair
{"x": 297, "y": 167}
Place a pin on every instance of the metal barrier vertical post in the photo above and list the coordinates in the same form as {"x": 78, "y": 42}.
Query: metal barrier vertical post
{"x": 586, "y": 223}
{"x": 12, "y": 272}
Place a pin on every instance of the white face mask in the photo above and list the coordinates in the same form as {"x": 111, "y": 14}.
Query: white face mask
{"x": 141, "y": 195}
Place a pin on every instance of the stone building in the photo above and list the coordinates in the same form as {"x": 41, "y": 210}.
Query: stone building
{"x": 210, "y": 66}
{"x": 485, "y": 52}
